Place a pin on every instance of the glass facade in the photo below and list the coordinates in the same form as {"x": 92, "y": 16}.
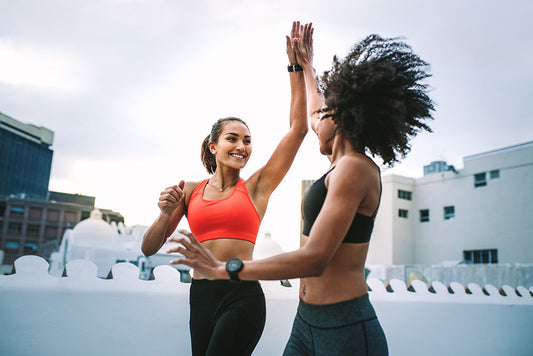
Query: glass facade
{"x": 24, "y": 166}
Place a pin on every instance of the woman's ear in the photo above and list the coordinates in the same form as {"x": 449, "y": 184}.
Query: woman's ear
{"x": 212, "y": 148}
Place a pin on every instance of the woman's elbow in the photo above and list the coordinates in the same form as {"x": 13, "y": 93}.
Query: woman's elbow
{"x": 317, "y": 266}
{"x": 147, "y": 250}
{"x": 301, "y": 131}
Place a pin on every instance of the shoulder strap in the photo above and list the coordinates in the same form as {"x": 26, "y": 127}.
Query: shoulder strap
{"x": 380, "y": 192}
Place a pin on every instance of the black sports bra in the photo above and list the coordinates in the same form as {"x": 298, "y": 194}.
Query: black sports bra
{"x": 361, "y": 227}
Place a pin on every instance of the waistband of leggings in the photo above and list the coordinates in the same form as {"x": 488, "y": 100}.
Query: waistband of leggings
{"x": 203, "y": 290}
{"x": 336, "y": 315}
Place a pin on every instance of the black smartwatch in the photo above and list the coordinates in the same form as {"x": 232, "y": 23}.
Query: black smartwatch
{"x": 233, "y": 267}
{"x": 294, "y": 68}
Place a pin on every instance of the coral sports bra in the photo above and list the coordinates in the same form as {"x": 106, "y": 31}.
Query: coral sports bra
{"x": 232, "y": 217}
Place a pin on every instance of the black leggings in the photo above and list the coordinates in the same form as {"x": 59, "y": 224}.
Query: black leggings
{"x": 227, "y": 318}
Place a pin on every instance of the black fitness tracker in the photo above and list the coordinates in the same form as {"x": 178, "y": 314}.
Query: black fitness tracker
{"x": 294, "y": 68}
{"x": 233, "y": 267}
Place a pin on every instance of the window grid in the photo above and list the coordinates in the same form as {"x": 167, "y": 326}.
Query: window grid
{"x": 480, "y": 180}
{"x": 449, "y": 212}
{"x": 481, "y": 256}
{"x": 404, "y": 194}
{"x": 424, "y": 215}
{"x": 402, "y": 213}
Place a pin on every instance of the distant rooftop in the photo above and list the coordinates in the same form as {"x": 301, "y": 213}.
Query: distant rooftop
{"x": 37, "y": 134}
{"x": 518, "y": 147}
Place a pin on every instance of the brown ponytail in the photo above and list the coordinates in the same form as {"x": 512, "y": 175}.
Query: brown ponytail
{"x": 208, "y": 159}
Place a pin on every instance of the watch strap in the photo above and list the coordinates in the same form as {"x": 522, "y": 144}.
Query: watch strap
{"x": 294, "y": 68}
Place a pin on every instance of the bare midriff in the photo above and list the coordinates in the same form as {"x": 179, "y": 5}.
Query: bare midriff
{"x": 343, "y": 279}
{"x": 224, "y": 249}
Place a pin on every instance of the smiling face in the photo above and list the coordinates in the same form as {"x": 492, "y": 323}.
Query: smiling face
{"x": 234, "y": 145}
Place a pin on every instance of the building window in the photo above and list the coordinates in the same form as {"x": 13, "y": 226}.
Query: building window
{"x": 2, "y": 208}
{"x": 17, "y": 211}
{"x": 404, "y": 194}
{"x": 402, "y": 213}
{"x": 481, "y": 256}
{"x": 70, "y": 217}
{"x": 12, "y": 246}
{"x": 50, "y": 232}
{"x": 480, "y": 179}
{"x": 449, "y": 212}
{"x": 52, "y": 215}
{"x": 495, "y": 174}
{"x": 35, "y": 213}
{"x": 30, "y": 247}
{"x": 14, "y": 228}
{"x": 33, "y": 230}
{"x": 424, "y": 215}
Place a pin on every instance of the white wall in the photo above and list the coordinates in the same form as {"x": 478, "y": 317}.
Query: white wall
{"x": 84, "y": 315}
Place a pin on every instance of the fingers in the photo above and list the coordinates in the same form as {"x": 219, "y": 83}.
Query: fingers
{"x": 172, "y": 195}
{"x": 308, "y": 33}
{"x": 190, "y": 235}
{"x": 295, "y": 26}
{"x": 182, "y": 261}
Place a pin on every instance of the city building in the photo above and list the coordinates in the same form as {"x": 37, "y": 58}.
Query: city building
{"x": 481, "y": 213}
{"x": 25, "y": 158}
{"x": 35, "y": 226}
{"x": 32, "y": 218}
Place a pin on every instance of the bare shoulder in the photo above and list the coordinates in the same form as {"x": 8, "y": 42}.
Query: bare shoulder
{"x": 188, "y": 188}
{"x": 357, "y": 177}
{"x": 356, "y": 166}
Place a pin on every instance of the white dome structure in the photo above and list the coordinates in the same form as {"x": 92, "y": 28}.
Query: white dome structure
{"x": 266, "y": 247}
{"x": 94, "y": 225}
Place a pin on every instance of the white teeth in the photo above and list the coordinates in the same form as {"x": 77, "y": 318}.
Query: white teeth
{"x": 237, "y": 156}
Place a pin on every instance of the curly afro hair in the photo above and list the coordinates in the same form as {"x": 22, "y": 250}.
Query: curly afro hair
{"x": 377, "y": 96}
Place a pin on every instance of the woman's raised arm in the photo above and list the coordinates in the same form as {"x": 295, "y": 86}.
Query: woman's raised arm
{"x": 315, "y": 100}
{"x": 270, "y": 175}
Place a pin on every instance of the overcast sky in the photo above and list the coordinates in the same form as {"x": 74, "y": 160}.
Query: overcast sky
{"x": 131, "y": 87}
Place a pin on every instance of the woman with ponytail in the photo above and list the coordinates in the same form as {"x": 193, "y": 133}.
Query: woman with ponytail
{"x": 224, "y": 212}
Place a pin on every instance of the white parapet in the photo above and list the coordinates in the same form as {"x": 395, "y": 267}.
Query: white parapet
{"x": 81, "y": 314}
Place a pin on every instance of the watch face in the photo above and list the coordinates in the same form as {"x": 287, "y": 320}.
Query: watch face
{"x": 233, "y": 265}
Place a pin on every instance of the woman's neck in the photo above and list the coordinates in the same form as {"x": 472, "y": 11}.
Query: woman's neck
{"x": 342, "y": 147}
{"x": 224, "y": 178}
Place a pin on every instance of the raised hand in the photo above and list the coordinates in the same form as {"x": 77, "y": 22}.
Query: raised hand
{"x": 197, "y": 256}
{"x": 304, "y": 50}
{"x": 292, "y": 42}
{"x": 170, "y": 198}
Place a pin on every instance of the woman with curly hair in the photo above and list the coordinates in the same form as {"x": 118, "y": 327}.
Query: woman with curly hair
{"x": 370, "y": 103}
{"x": 224, "y": 212}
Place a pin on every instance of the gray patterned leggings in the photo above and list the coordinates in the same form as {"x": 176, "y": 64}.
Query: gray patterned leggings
{"x": 345, "y": 328}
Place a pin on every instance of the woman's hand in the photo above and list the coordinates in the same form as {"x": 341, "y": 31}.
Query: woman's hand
{"x": 170, "y": 198}
{"x": 304, "y": 49}
{"x": 292, "y": 42}
{"x": 197, "y": 257}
